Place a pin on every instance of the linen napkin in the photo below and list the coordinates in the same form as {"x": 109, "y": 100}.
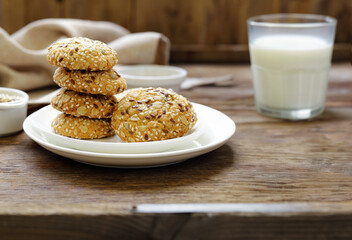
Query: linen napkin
{"x": 23, "y": 62}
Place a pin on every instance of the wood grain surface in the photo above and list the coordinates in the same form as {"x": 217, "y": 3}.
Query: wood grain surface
{"x": 268, "y": 161}
{"x": 199, "y": 30}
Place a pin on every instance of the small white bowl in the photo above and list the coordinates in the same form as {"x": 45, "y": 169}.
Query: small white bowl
{"x": 153, "y": 76}
{"x": 13, "y": 113}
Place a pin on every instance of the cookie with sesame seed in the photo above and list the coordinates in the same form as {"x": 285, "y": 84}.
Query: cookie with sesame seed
{"x": 152, "y": 114}
{"x": 82, "y": 104}
{"x": 79, "y": 53}
{"x": 98, "y": 82}
{"x": 82, "y": 127}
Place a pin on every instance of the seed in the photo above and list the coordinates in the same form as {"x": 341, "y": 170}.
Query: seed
{"x": 172, "y": 120}
{"x": 113, "y": 75}
{"x": 158, "y": 105}
{"x": 84, "y": 129}
{"x": 88, "y": 81}
{"x": 139, "y": 110}
{"x": 134, "y": 118}
{"x": 94, "y": 105}
{"x": 61, "y": 59}
{"x": 92, "y": 77}
{"x": 71, "y": 53}
{"x": 165, "y": 131}
{"x": 72, "y": 81}
{"x": 66, "y": 98}
{"x": 111, "y": 61}
{"x": 95, "y": 111}
{"x": 76, "y": 49}
{"x": 184, "y": 120}
{"x": 81, "y": 110}
{"x": 146, "y": 136}
{"x": 181, "y": 110}
{"x": 109, "y": 87}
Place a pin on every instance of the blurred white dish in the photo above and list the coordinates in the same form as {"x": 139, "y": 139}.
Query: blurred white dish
{"x": 42, "y": 119}
{"x": 12, "y": 113}
{"x": 153, "y": 76}
{"x": 219, "y": 129}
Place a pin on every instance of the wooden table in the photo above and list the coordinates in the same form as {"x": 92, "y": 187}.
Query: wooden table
{"x": 272, "y": 180}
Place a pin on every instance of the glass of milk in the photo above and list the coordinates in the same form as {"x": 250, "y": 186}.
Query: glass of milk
{"x": 290, "y": 61}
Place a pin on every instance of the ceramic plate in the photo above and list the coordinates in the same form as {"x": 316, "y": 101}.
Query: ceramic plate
{"x": 218, "y": 129}
{"x": 41, "y": 122}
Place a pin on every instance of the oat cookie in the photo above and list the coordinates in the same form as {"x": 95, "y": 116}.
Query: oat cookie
{"x": 82, "y": 127}
{"x": 82, "y": 104}
{"x": 98, "y": 82}
{"x": 152, "y": 114}
{"x": 80, "y": 53}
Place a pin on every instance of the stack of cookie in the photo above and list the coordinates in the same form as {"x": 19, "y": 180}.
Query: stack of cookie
{"x": 88, "y": 83}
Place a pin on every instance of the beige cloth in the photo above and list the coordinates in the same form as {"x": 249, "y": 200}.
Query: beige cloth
{"x": 23, "y": 62}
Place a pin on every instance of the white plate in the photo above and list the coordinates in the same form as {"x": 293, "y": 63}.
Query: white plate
{"x": 41, "y": 122}
{"x": 219, "y": 128}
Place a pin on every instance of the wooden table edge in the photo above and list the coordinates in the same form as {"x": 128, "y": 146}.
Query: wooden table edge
{"x": 239, "y": 209}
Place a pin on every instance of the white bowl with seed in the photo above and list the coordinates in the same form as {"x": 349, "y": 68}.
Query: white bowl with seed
{"x": 153, "y": 76}
{"x": 13, "y": 110}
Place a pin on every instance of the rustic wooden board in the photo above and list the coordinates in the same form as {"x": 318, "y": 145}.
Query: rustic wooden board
{"x": 199, "y": 30}
{"x": 118, "y": 11}
{"x": 300, "y": 174}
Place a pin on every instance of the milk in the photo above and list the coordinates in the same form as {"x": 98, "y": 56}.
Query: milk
{"x": 290, "y": 71}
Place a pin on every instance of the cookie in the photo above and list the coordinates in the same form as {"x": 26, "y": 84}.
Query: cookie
{"x": 98, "y": 82}
{"x": 82, "y": 104}
{"x": 80, "y": 53}
{"x": 82, "y": 127}
{"x": 152, "y": 114}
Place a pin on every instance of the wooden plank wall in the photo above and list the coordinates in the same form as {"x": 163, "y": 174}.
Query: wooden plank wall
{"x": 199, "y": 30}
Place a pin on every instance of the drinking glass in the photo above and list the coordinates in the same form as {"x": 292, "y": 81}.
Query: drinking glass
{"x": 290, "y": 61}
